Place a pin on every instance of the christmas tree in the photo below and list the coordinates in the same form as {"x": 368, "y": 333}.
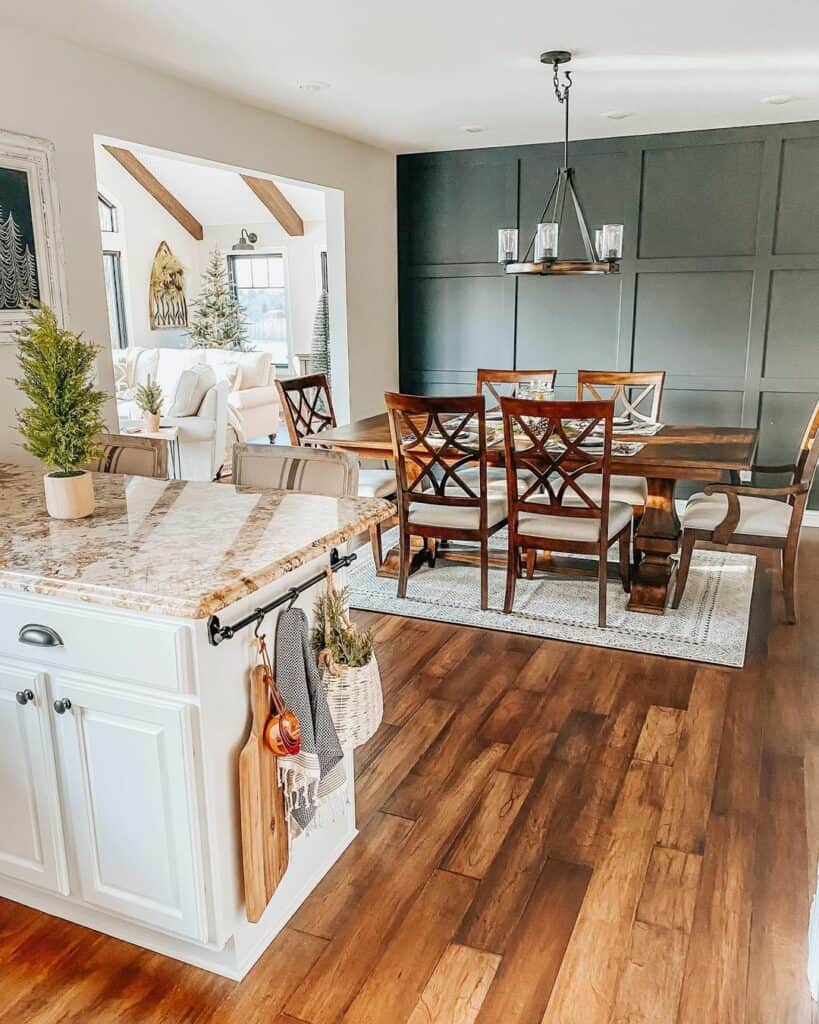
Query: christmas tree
{"x": 18, "y": 270}
{"x": 218, "y": 320}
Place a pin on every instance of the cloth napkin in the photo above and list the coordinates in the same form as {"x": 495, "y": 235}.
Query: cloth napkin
{"x": 317, "y": 771}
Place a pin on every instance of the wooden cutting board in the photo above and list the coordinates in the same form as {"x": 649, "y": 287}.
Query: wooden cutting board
{"x": 264, "y": 826}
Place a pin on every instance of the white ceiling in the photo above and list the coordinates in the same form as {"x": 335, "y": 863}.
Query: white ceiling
{"x": 411, "y": 76}
{"x": 217, "y": 196}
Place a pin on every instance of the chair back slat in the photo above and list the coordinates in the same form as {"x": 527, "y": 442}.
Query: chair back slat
{"x": 434, "y": 440}
{"x": 307, "y": 405}
{"x": 546, "y": 439}
{"x": 637, "y": 394}
{"x": 131, "y": 455}
{"x": 305, "y": 469}
{"x": 504, "y": 383}
{"x": 805, "y": 468}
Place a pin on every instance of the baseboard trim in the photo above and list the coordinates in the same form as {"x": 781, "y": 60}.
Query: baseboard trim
{"x": 811, "y": 517}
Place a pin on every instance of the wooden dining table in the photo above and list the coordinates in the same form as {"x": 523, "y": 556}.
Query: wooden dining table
{"x": 707, "y": 454}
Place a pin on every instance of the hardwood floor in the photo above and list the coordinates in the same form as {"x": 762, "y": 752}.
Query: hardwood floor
{"x": 550, "y": 833}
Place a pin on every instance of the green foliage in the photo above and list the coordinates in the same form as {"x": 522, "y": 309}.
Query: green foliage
{"x": 348, "y": 647}
{"x": 218, "y": 320}
{"x": 57, "y": 376}
{"x": 148, "y": 397}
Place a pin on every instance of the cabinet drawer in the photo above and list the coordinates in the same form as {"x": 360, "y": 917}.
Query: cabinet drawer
{"x": 122, "y": 647}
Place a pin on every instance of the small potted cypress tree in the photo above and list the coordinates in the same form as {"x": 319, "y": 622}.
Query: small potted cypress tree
{"x": 62, "y": 420}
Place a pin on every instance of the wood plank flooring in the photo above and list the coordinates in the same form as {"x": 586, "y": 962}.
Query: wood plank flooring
{"x": 550, "y": 834}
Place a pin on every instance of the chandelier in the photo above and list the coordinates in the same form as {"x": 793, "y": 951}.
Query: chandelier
{"x": 543, "y": 255}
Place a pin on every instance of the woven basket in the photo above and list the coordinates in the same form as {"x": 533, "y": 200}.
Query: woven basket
{"x": 353, "y": 694}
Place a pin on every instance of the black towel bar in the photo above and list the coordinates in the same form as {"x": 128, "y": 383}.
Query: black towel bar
{"x": 217, "y": 632}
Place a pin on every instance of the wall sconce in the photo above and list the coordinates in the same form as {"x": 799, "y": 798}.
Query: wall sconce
{"x": 247, "y": 241}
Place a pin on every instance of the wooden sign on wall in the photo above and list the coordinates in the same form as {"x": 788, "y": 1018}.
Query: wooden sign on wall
{"x": 166, "y": 292}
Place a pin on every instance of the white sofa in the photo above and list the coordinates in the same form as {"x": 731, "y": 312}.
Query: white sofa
{"x": 252, "y": 407}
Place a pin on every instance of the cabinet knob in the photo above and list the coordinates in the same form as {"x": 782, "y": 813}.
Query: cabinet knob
{"x": 24, "y": 696}
{"x": 62, "y": 705}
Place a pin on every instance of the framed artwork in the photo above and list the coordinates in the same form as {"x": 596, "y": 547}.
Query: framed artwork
{"x": 31, "y": 252}
{"x": 166, "y": 297}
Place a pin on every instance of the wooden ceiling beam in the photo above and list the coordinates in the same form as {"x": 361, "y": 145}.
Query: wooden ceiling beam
{"x": 154, "y": 187}
{"x": 275, "y": 201}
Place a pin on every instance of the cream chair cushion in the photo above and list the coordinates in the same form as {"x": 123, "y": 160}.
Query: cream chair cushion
{"x": 457, "y": 517}
{"x": 311, "y": 470}
{"x": 631, "y": 489}
{"x": 762, "y": 517}
{"x": 495, "y": 476}
{"x": 572, "y": 528}
{"x": 376, "y": 483}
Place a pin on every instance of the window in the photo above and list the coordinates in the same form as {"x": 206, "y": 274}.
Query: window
{"x": 112, "y": 267}
{"x": 112, "y": 245}
{"x": 257, "y": 281}
{"x": 107, "y": 213}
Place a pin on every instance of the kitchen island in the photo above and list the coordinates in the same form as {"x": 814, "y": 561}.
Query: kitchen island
{"x": 121, "y": 724}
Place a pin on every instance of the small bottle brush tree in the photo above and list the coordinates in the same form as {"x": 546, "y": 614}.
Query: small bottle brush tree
{"x": 218, "y": 320}
{"x": 63, "y": 419}
{"x": 148, "y": 397}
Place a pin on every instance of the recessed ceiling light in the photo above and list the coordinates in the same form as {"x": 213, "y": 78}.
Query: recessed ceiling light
{"x": 473, "y": 129}
{"x": 778, "y": 100}
{"x": 616, "y": 115}
{"x": 314, "y": 86}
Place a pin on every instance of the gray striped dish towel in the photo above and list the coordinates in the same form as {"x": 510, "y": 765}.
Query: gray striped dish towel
{"x": 317, "y": 771}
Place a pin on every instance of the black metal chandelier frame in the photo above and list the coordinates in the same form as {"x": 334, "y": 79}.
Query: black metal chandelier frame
{"x": 564, "y": 185}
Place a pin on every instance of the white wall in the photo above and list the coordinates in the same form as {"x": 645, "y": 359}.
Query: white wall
{"x": 303, "y": 267}
{"x": 143, "y": 225}
{"x": 71, "y": 94}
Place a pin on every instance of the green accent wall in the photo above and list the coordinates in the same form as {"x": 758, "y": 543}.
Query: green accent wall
{"x": 719, "y": 283}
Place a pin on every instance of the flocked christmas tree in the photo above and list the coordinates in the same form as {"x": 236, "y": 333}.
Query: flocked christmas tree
{"x": 18, "y": 270}
{"x": 218, "y": 320}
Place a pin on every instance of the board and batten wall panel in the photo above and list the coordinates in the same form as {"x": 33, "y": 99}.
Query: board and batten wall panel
{"x": 719, "y": 283}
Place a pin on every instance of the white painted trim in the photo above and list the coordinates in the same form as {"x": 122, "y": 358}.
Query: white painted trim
{"x": 36, "y": 157}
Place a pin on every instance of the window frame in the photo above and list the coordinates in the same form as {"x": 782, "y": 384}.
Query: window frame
{"x": 281, "y": 253}
{"x": 113, "y": 244}
{"x": 119, "y": 299}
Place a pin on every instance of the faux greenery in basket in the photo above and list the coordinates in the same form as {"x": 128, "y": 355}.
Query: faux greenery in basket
{"x": 61, "y": 423}
{"x": 334, "y": 634}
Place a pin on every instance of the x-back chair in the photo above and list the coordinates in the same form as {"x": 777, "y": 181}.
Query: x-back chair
{"x": 554, "y": 509}
{"x": 308, "y": 409}
{"x": 440, "y": 459}
{"x": 733, "y": 514}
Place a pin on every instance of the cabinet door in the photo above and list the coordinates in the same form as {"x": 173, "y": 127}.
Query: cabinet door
{"x": 125, "y": 779}
{"x": 31, "y": 839}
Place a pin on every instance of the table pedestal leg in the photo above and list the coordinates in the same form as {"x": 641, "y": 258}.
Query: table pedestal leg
{"x": 656, "y": 541}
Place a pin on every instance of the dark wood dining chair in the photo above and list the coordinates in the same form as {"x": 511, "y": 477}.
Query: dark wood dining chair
{"x": 307, "y": 405}
{"x": 495, "y": 384}
{"x": 437, "y": 442}
{"x": 556, "y": 512}
{"x": 638, "y": 395}
{"x": 755, "y": 516}
{"x": 131, "y": 455}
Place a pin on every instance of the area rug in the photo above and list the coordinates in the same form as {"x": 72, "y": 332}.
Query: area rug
{"x": 711, "y": 624}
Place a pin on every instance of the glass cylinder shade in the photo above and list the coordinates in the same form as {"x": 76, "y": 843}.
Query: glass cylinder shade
{"x": 546, "y": 241}
{"x": 507, "y": 245}
{"x": 598, "y": 242}
{"x": 612, "y": 243}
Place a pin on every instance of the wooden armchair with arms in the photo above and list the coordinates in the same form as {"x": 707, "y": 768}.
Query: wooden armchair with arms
{"x": 753, "y": 516}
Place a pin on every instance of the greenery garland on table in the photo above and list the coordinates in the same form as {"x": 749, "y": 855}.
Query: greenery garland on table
{"x": 63, "y": 419}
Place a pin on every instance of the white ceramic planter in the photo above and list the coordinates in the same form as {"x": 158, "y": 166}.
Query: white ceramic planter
{"x": 69, "y": 497}
{"x": 150, "y": 422}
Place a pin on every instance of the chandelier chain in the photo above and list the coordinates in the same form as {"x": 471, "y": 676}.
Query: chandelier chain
{"x": 561, "y": 91}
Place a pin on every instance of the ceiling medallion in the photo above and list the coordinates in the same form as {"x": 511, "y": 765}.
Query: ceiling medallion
{"x": 542, "y": 255}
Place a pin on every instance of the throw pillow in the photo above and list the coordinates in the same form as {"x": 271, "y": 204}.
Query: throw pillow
{"x": 255, "y": 369}
{"x": 191, "y": 388}
{"x": 230, "y": 372}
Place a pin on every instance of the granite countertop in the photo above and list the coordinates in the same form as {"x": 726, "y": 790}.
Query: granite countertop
{"x": 172, "y": 547}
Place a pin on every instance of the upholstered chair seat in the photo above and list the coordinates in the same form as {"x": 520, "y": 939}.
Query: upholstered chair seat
{"x": 376, "y": 483}
{"x": 633, "y": 490}
{"x": 759, "y": 517}
{"x": 458, "y": 518}
{"x": 571, "y": 528}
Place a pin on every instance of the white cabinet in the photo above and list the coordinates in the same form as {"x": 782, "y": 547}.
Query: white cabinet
{"x": 125, "y": 772}
{"x": 31, "y": 839}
